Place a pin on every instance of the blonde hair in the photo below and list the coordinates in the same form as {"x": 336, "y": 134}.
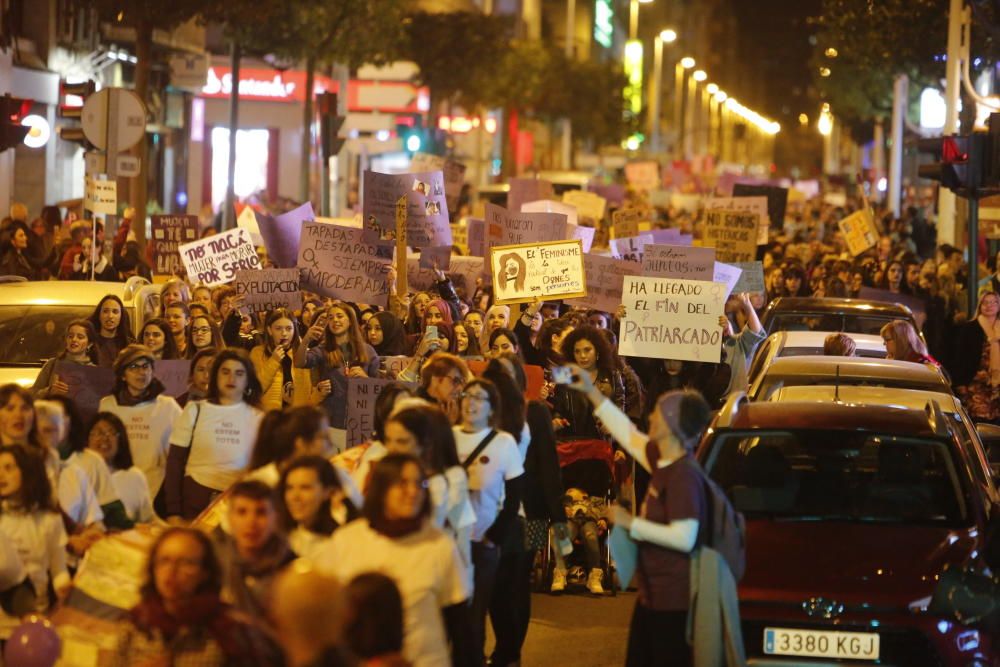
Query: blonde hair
{"x": 907, "y": 341}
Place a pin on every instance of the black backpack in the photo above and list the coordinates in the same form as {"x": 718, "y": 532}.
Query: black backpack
{"x": 726, "y": 529}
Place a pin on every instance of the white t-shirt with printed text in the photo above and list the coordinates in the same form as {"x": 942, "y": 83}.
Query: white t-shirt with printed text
{"x": 494, "y": 466}
{"x": 223, "y": 441}
{"x": 149, "y": 425}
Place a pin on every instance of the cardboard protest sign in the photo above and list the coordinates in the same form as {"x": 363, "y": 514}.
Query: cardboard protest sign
{"x": 625, "y": 222}
{"x": 630, "y": 248}
{"x": 476, "y": 229}
{"x": 604, "y": 282}
{"x": 588, "y": 204}
{"x": 453, "y": 171}
{"x": 436, "y": 255}
{"x": 859, "y": 231}
{"x": 460, "y": 237}
{"x": 530, "y": 271}
{"x": 361, "y": 396}
{"x": 527, "y": 189}
{"x": 267, "y": 289}
{"x": 281, "y": 234}
{"x": 463, "y": 273}
{"x": 670, "y": 236}
{"x": 247, "y": 219}
{"x": 101, "y": 196}
{"x": 87, "y": 385}
{"x": 427, "y": 210}
{"x": 756, "y": 205}
{"x": 613, "y": 193}
{"x": 777, "y": 200}
{"x": 728, "y": 275}
{"x": 394, "y": 365}
{"x": 644, "y": 175}
{"x": 550, "y": 206}
{"x": 333, "y": 265}
{"x": 584, "y": 234}
{"x": 505, "y": 227}
{"x": 751, "y": 279}
{"x": 669, "y": 261}
{"x": 174, "y": 374}
{"x": 169, "y": 232}
{"x": 733, "y": 234}
{"x": 215, "y": 260}
{"x": 671, "y": 318}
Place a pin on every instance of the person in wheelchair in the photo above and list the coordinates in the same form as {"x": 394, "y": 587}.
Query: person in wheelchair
{"x": 585, "y": 520}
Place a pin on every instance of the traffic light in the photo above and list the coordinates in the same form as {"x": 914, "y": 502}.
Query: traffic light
{"x": 413, "y": 137}
{"x": 12, "y": 110}
{"x": 329, "y": 125}
{"x": 963, "y": 160}
{"x": 72, "y": 97}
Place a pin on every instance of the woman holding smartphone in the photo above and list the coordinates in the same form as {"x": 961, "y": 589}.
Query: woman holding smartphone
{"x": 284, "y": 385}
{"x": 342, "y": 353}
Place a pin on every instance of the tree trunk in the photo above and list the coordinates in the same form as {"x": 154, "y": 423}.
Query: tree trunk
{"x": 307, "y": 138}
{"x": 137, "y": 184}
{"x": 229, "y": 213}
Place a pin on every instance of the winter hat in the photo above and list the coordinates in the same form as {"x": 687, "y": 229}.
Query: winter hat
{"x": 129, "y": 354}
{"x": 686, "y": 413}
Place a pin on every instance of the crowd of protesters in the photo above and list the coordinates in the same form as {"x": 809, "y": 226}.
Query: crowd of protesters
{"x": 399, "y": 550}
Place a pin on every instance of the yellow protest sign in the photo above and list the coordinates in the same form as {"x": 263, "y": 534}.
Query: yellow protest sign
{"x": 859, "y": 231}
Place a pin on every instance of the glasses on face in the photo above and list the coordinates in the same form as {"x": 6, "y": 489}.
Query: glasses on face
{"x": 482, "y": 398}
{"x": 455, "y": 379}
{"x": 139, "y": 366}
{"x": 201, "y": 330}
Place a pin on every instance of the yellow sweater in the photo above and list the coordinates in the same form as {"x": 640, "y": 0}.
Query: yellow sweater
{"x": 270, "y": 376}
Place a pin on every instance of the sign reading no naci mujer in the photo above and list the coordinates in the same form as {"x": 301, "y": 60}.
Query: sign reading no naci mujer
{"x": 671, "y": 318}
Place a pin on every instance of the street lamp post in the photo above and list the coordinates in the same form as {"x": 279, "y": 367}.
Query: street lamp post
{"x": 633, "y": 17}
{"x": 665, "y": 37}
{"x": 680, "y": 69}
{"x": 567, "y": 127}
{"x": 690, "y": 135}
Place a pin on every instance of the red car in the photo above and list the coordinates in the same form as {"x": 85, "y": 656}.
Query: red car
{"x": 852, "y": 513}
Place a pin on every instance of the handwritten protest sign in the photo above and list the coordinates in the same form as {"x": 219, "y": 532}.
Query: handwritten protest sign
{"x": 588, "y": 204}
{"x": 427, "y": 210}
{"x": 505, "y": 227}
{"x": 215, "y": 260}
{"x": 625, "y": 221}
{"x": 733, "y": 234}
{"x": 669, "y": 261}
{"x": 281, "y": 234}
{"x": 752, "y": 278}
{"x": 644, "y": 175}
{"x": 604, "y": 282}
{"x": 527, "y": 189}
{"x": 169, "y": 232}
{"x": 526, "y": 272}
{"x": 476, "y": 229}
{"x": 728, "y": 275}
{"x": 435, "y": 257}
{"x": 585, "y": 234}
{"x": 394, "y": 365}
{"x": 756, "y": 205}
{"x": 267, "y": 289}
{"x": 671, "y": 318}
{"x": 463, "y": 273}
{"x": 333, "y": 265}
{"x": 859, "y": 231}
{"x": 361, "y": 396}
{"x": 453, "y": 171}
{"x": 550, "y": 206}
{"x": 174, "y": 374}
{"x": 630, "y": 248}
{"x": 460, "y": 237}
{"x": 87, "y": 385}
{"x": 777, "y": 199}
{"x": 101, "y": 196}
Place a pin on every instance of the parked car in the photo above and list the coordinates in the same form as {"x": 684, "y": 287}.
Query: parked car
{"x": 34, "y": 315}
{"x": 806, "y": 343}
{"x": 853, "y": 512}
{"x": 806, "y": 313}
{"x": 821, "y": 370}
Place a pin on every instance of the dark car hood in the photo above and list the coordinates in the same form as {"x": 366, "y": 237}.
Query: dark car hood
{"x": 854, "y": 563}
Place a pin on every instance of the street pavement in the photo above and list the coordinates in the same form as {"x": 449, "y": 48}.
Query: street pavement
{"x": 578, "y": 630}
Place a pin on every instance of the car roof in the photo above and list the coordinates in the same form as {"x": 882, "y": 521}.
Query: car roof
{"x": 855, "y": 367}
{"x": 59, "y": 292}
{"x": 827, "y": 416}
{"x": 814, "y": 304}
{"x": 815, "y": 339}
{"x": 912, "y": 399}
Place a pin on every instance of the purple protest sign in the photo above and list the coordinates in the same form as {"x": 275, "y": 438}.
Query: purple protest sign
{"x": 435, "y": 255}
{"x": 169, "y": 232}
{"x": 281, "y": 234}
{"x": 585, "y": 234}
{"x": 527, "y": 189}
{"x": 605, "y": 276}
{"x": 476, "y": 233}
{"x": 426, "y": 208}
{"x": 614, "y": 193}
{"x": 505, "y": 227}
{"x": 173, "y": 373}
{"x": 336, "y": 265}
{"x": 87, "y": 385}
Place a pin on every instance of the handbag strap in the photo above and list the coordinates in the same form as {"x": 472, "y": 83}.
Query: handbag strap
{"x": 197, "y": 416}
{"x": 479, "y": 449}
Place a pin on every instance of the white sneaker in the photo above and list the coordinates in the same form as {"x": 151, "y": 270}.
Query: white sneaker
{"x": 594, "y": 581}
{"x": 558, "y": 581}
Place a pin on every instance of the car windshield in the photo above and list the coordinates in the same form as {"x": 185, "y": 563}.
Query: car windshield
{"x": 847, "y": 322}
{"x": 810, "y": 475}
{"x": 31, "y": 334}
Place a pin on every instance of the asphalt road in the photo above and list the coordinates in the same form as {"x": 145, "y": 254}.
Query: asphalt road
{"x": 577, "y": 630}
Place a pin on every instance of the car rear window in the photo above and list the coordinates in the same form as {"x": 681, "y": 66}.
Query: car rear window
{"x": 808, "y": 351}
{"x": 812, "y": 475}
{"x": 772, "y": 382}
{"x": 31, "y": 334}
{"x": 850, "y": 323}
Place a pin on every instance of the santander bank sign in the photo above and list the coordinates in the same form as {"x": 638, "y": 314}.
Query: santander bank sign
{"x": 261, "y": 84}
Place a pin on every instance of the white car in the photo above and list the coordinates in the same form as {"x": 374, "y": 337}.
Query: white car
{"x": 808, "y": 343}
{"x": 34, "y": 315}
{"x": 824, "y": 370}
